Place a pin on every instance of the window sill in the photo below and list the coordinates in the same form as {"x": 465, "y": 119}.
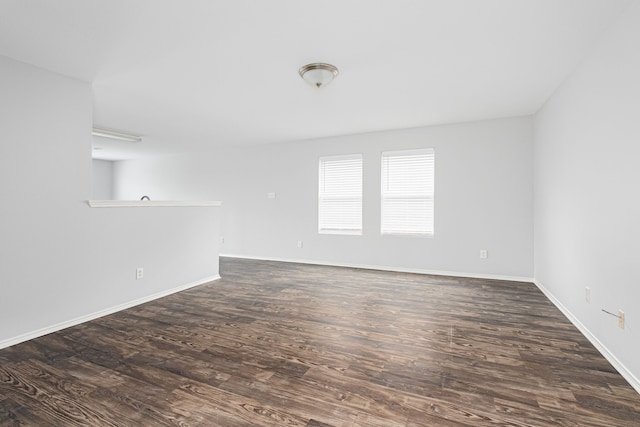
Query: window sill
{"x": 149, "y": 203}
{"x": 409, "y": 235}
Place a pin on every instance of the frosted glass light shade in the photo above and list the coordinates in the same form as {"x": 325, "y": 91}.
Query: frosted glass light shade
{"x": 318, "y": 74}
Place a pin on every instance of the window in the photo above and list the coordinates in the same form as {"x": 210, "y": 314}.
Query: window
{"x": 340, "y": 195}
{"x": 407, "y": 192}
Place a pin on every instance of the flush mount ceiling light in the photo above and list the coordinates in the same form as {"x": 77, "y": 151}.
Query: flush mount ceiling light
{"x": 105, "y": 133}
{"x": 318, "y": 74}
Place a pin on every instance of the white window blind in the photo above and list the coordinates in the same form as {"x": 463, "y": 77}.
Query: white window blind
{"x": 340, "y": 195}
{"x": 407, "y": 192}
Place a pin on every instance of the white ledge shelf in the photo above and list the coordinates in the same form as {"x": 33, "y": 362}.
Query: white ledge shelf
{"x": 150, "y": 203}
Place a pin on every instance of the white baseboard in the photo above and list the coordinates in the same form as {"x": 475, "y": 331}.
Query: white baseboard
{"x": 63, "y": 325}
{"x": 387, "y": 268}
{"x": 626, "y": 374}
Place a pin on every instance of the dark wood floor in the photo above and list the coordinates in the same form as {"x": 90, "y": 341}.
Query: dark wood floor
{"x": 278, "y": 344}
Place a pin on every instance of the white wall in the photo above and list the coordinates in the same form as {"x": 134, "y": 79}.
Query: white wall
{"x": 587, "y": 198}
{"x": 102, "y": 172}
{"x": 483, "y": 198}
{"x": 59, "y": 259}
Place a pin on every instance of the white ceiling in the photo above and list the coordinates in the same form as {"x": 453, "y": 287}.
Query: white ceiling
{"x": 193, "y": 74}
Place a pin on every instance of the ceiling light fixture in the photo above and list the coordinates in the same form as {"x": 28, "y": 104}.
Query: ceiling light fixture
{"x": 105, "y": 133}
{"x": 318, "y": 74}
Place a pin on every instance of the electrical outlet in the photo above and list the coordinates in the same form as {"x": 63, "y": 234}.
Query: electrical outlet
{"x": 139, "y": 273}
{"x": 221, "y": 239}
{"x": 483, "y": 254}
{"x": 621, "y": 319}
{"x": 300, "y": 244}
{"x": 587, "y": 294}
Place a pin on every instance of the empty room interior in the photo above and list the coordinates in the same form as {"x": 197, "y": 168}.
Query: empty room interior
{"x": 336, "y": 214}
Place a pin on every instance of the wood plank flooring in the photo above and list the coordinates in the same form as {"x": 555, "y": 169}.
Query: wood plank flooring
{"x": 281, "y": 344}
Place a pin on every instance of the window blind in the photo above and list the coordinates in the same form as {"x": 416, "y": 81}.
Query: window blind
{"x": 407, "y": 192}
{"x": 340, "y": 195}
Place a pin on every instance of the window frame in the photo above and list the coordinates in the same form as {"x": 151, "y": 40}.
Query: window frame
{"x": 429, "y": 197}
{"x": 321, "y": 180}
